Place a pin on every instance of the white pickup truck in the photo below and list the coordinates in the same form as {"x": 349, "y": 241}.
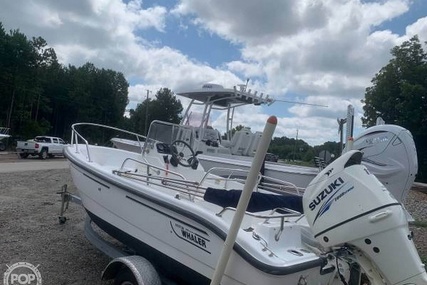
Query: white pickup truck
{"x": 42, "y": 146}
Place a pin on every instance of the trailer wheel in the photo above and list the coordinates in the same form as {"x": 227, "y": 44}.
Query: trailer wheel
{"x": 131, "y": 270}
{"x": 43, "y": 154}
{"x": 125, "y": 277}
{"x": 23, "y": 155}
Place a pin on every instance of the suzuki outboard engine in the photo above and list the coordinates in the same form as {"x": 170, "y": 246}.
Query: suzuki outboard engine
{"x": 389, "y": 153}
{"x": 347, "y": 206}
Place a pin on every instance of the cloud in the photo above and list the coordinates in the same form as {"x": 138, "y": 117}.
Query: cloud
{"x": 418, "y": 28}
{"x": 254, "y": 21}
{"x": 293, "y": 43}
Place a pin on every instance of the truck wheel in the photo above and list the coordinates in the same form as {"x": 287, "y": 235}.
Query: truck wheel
{"x": 2, "y": 146}
{"x": 23, "y": 155}
{"x": 125, "y": 277}
{"x": 43, "y": 154}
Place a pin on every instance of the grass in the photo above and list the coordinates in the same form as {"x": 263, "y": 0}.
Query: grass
{"x": 420, "y": 224}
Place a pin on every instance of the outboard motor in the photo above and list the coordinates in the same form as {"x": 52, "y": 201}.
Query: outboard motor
{"x": 389, "y": 153}
{"x": 347, "y": 206}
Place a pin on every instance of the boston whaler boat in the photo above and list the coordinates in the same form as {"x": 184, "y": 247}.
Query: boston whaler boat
{"x": 345, "y": 229}
{"x": 389, "y": 150}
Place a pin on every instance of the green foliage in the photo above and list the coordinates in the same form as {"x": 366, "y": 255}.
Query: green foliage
{"x": 39, "y": 96}
{"x": 30, "y": 129}
{"x": 419, "y": 224}
{"x": 399, "y": 95}
{"x": 233, "y": 131}
{"x": 399, "y": 90}
{"x": 298, "y": 151}
{"x": 164, "y": 107}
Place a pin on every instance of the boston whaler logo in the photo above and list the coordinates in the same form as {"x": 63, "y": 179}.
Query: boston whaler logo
{"x": 191, "y": 235}
{"x": 329, "y": 195}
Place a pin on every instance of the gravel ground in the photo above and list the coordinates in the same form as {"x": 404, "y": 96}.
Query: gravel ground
{"x": 30, "y": 232}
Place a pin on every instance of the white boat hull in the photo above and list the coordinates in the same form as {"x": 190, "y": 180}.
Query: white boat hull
{"x": 173, "y": 229}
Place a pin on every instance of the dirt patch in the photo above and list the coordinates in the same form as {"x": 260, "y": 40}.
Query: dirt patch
{"x": 30, "y": 231}
{"x": 10, "y": 156}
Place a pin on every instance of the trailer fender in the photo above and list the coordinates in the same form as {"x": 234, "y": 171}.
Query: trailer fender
{"x": 142, "y": 270}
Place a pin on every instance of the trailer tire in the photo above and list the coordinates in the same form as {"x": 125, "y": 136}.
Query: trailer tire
{"x": 23, "y": 155}
{"x": 43, "y": 154}
{"x": 125, "y": 277}
{"x": 131, "y": 270}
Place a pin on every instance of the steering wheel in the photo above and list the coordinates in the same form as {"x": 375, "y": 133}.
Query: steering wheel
{"x": 183, "y": 153}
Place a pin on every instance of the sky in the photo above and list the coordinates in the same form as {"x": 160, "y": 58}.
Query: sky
{"x": 313, "y": 51}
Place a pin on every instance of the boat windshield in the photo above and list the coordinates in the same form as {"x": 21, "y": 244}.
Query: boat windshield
{"x": 168, "y": 133}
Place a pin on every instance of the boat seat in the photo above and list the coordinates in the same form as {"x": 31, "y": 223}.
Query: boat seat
{"x": 241, "y": 141}
{"x": 258, "y": 202}
{"x": 253, "y": 144}
{"x": 211, "y": 137}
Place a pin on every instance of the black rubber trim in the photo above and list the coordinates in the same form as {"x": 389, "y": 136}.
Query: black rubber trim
{"x": 355, "y": 159}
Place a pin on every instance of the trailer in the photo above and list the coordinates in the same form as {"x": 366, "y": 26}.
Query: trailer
{"x": 125, "y": 268}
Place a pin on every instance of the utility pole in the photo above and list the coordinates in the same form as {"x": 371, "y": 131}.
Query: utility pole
{"x": 295, "y": 147}
{"x": 146, "y": 114}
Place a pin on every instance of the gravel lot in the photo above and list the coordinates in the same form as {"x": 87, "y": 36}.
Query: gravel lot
{"x": 30, "y": 232}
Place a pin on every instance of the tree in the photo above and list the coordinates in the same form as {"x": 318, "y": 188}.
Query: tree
{"x": 39, "y": 96}
{"x": 165, "y": 107}
{"x": 399, "y": 90}
{"x": 233, "y": 131}
{"x": 399, "y": 95}
{"x": 19, "y": 63}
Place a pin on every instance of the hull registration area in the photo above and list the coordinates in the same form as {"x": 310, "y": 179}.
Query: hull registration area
{"x": 192, "y": 235}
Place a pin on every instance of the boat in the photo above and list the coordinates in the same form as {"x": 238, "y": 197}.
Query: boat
{"x": 4, "y": 133}
{"x": 236, "y": 150}
{"x": 164, "y": 206}
{"x": 389, "y": 150}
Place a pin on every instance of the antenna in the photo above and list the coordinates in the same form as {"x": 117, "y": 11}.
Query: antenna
{"x": 244, "y": 87}
{"x": 301, "y": 103}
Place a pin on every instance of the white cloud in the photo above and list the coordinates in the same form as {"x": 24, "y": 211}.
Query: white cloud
{"x": 418, "y": 28}
{"x": 254, "y": 21}
{"x": 376, "y": 13}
